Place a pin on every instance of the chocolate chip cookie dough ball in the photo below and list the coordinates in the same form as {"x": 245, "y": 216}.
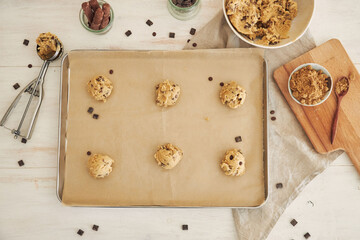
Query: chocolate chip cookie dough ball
{"x": 46, "y": 45}
{"x": 168, "y": 156}
{"x": 232, "y": 94}
{"x": 100, "y": 88}
{"x": 99, "y": 165}
{"x": 167, "y": 93}
{"x": 233, "y": 163}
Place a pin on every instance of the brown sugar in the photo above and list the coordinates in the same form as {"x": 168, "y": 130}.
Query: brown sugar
{"x": 342, "y": 85}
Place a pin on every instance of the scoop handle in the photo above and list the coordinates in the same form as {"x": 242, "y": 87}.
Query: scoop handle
{"x": 335, "y": 121}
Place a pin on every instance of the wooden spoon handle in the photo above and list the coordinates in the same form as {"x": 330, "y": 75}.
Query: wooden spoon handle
{"x": 335, "y": 121}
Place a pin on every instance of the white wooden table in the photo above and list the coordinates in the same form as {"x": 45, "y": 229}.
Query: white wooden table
{"x": 29, "y": 208}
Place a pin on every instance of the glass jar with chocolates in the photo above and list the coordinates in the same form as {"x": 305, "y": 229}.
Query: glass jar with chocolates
{"x": 183, "y": 9}
{"x": 96, "y": 16}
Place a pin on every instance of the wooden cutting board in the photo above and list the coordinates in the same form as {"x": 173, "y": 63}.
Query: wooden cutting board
{"x": 317, "y": 121}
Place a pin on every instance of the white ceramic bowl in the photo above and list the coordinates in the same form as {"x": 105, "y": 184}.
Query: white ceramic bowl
{"x": 316, "y": 67}
{"x": 299, "y": 25}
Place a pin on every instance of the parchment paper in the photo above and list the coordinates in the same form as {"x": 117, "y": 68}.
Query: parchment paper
{"x": 131, "y": 126}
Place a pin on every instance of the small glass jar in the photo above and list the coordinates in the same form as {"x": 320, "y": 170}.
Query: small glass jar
{"x": 84, "y": 20}
{"x": 183, "y": 13}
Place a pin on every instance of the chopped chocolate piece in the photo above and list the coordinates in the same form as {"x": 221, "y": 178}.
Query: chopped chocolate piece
{"x": 194, "y": 44}
{"x": 16, "y": 86}
{"x": 272, "y": 112}
{"x": 128, "y": 33}
{"x": 95, "y": 227}
{"x": 307, "y": 235}
{"x": 293, "y": 222}
{"x": 222, "y": 84}
{"x": 149, "y": 22}
{"x": 171, "y": 35}
{"x": 185, "y": 227}
{"x": 26, "y": 42}
{"x": 273, "y": 118}
{"x": 90, "y": 110}
{"x": 111, "y": 71}
{"x": 21, "y": 163}
{"x": 238, "y": 139}
{"x": 88, "y": 153}
{"x": 192, "y": 31}
{"x": 95, "y": 116}
{"x": 80, "y": 232}
{"x": 231, "y": 157}
{"x": 188, "y": 40}
{"x": 279, "y": 185}
{"x": 210, "y": 78}
{"x": 23, "y": 140}
{"x": 30, "y": 66}
{"x": 240, "y": 163}
{"x": 154, "y": 34}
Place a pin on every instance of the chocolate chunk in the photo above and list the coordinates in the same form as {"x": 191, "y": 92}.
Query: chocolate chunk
{"x": 185, "y": 227}
{"x": 272, "y": 112}
{"x": 154, "y": 34}
{"x": 95, "y": 116}
{"x": 194, "y": 44}
{"x": 88, "y": 153}
{"x": 149, "y": 22}
{"x": 26, "y": 42}
{"x": 222, "y": 84}
{"x": 80, "y": 232}
{"x": 210, "y": 78}
{"x": 171, "y": 35}
{"x": 128, "y": 33}
{"x": 293, "y": 222}
{"x": 231, "y": 157}
{"x": 111, "y": 71}
{"x": 95, "y": 227}
{"x": 238, "y": 139}
{"x": 192, "y": 31}
{"x": 188, "y": 40}
{"x": 21, "y": 163}
{"x": 23, "y": 140}
{"x": 30, "y": 66}
{"x": 16, "y": 86}
{"x": 240, "y": 163}
{"x": 279, "y": 185}
{"x": 307, "y": 235}
{"x": 90, "y": 110}
{"x": 273, "y": 118}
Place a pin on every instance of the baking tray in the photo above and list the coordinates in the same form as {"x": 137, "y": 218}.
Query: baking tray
{"x": 63, "y": 126}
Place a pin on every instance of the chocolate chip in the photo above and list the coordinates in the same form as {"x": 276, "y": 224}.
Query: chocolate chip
{"x": 307, "y": 235}
{"x": 95, "y": 227}
{"x": 279, "y": 185}
{"x": 192, "y": 31}
{"x": 238, "y": 139}
{"x": 154, "y": 34}
{"x": 30, "y": 66}
{"x": 185, "y": 227}
{"x": 95, "y": 116}
{"x": 222, "y": 84}
{"x": 194, "y": 44}
{"x": 21, "y": 163}
{"x": 16, "y": 86}
{"x": 80, "y": 232}
{"x": 273, "y": 118}
{"x": 149, "y": 22}
{"x": 23, "y": 140}
{"x": 111, "y": 71}
{"x": 188, "y": 40}
{"x": 128, "y": 33}
{"x": 90, "y": 110}
{"x": 171, "y": 35}
{"x": 240, "y": 163}
{"x": 88, "y": 153}
{"x": 293, "y": 222}
{"x": 210, "y": 78}
{"x": 272, "y": 112}
{"x": 231, "y": 157}
{"x": 26, "y": 42}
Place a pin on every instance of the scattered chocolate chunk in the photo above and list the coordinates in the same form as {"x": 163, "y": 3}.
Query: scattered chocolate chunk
{"x": 90, "y": 110}
{"x": 128, "y": 33}
{"x": 80, "y": 232}
{"x": 272, "y": 112}
{"x": 16, "y": 86}
{"x": 238, "y": 139}
{"x": 88, "y": 153}
{"x": 273, "y": 118}
{"x": 154, "y": 34}
{"x": 95, "y": 227}
{"x": 26, "y": 42}
{"x": 188, "y": 40}
{"x": 293, "y": 222}
{"x": 185, "y": 227}
{"x": 171, "y": 35}
{"x": 149, "y": 22}
{"x": 111, "y": 71}
{"x": 23, "y": 140}
{"x": 279, "y": 185}
{"x": 192, "y": 31}
{"x": 95, "y": 116}
{"x": 210, "y": 78}
{"x": 222, "y": 84}
{"x": 30, "y": 66}
{"x": 21, "y": 163}
{"x": 194, "y": 44}
{"x": 307, "y": 235}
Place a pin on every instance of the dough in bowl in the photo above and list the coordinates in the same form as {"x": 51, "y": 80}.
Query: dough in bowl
{"x": 100, "y": 165}
{"x": 100, "y": 88}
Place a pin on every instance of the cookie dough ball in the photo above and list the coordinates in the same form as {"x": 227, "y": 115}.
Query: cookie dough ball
{"x": 232, "y": 94}
{"x": 100, "y": 88}
{"x": 99, "y": 165}
{"x": 167, "y": 93}
{"x": 233, "y": 163}
{"x": 46, "y": 45}
{"x": 168, "y": 156}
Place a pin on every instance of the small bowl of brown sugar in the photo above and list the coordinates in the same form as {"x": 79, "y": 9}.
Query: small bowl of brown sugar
{"x": 310, "y": 84}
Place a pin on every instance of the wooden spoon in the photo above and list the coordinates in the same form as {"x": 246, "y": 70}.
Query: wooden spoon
{"x": 341, "y": 89}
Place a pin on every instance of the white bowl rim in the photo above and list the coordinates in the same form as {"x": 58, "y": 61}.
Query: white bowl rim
{"x": 316, "y": 66}
{"x": 265, "y": 46}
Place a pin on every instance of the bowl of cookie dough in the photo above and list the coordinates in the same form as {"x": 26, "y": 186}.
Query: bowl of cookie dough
{"x": 269, "y": 23}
